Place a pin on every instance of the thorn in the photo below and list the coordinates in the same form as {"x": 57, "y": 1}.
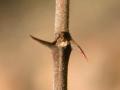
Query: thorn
{"x": 46, "y": 43}
{"x": 80, "y": 49}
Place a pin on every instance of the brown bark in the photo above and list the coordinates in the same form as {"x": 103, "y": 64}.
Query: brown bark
{"x": 62, "y": 50}
{"x": 62, "y": 16}
{"x": 61, "y": 59}
{"x": 61, "y": 54}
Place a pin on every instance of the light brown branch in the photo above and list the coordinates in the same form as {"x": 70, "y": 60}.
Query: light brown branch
{"x": 61, "y": 47}
{"x": 61, "y": 54}
{"x": 62, "y": 16}
{"x": 62, "y": 50}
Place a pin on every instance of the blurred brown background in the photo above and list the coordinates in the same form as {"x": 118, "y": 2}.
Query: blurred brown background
{"x": 27, "y": 65}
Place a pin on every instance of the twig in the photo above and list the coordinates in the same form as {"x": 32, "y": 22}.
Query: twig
{"x": 61, "y": 46}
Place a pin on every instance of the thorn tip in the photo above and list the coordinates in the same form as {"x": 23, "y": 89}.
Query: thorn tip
{"x": 46, "y": 43}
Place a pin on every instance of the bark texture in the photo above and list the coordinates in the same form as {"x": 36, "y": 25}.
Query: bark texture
{"x": 61, "y": 54}
{"x": 61, "y": 59}
{"x": 62, "y": 16}
{"x": 62, "y": 49}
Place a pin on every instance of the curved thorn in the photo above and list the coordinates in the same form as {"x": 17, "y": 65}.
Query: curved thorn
{"x": 80, "y": 49}
{"x": 46, "y": 43}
